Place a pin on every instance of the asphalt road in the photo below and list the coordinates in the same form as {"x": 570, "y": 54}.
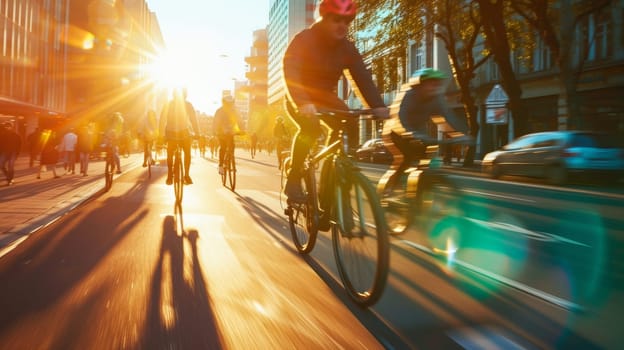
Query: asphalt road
{"x": 119, "y": 272}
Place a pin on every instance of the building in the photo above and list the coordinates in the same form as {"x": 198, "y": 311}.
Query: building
{"x": 33, "y": 63}
{"x": 598, "y": 60}
{"x": 286, "y": 19}
{"x": 70, "y": 61}
{"x": 257, "y": 76}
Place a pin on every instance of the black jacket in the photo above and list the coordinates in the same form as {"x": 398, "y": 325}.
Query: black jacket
{"x": 313, "y": 65}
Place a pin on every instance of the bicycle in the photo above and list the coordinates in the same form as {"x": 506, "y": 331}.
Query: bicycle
{"x": 426, "y": 189}
{"x": 150, "y": 159}
{"x": 178, "y": 174}
{"x": 346, "y": 203}
{"x": 228, "y": 177}
{"x": 109, "y": 168}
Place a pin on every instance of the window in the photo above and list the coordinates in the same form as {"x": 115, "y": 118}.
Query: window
{"x": 542, "y": 59}
{"x": 596, "y": 32}
{"x": 417, "y": 59}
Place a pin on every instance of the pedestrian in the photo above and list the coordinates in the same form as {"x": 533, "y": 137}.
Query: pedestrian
{"x": 34, "y": 146}
{"x": 10, "y": 144}
{"x": 253, "y": 144}
{"x": 68, "y": 147}
{"x": 49, "y": 156}
{"x": 85, "y": 146}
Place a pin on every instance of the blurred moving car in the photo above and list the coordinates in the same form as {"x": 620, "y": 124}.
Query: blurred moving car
{"x": 373, "y": 151}
{"x": 558, "y": 156}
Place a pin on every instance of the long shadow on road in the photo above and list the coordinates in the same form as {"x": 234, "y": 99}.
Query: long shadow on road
{"x": 179, "y": 314}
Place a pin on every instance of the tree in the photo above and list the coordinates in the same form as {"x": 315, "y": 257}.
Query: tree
{"x": 458, "y": 25}
{"x": 495, "y": 16}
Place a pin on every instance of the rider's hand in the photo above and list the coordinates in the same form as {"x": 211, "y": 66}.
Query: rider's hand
{"x": 381, "y": 112}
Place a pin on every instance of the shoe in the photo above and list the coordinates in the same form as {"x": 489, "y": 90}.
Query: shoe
{"x": 169, "y": 180}
{"x": 294, "y": 192}
{"x": 56, "y": 177}
{"x": 84, "y": 174}
{"x": 145, "y": 165}
{"x": 38, "y": 177}
{"x": 118, "y": 171}
{"x": 187, "y": 180}
{"x": 221, "y": 170}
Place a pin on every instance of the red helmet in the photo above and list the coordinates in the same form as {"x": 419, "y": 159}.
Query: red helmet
{"x": 345, "y": 8}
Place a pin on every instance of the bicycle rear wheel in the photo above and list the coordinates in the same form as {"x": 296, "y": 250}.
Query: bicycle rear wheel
{"x": 178, "y": 177}
{"x": 437, "y": 197}
{"x": 303, "y": 218}
{"x": 360, "y": 240}
{"x": 231, "y": 171}
{"x": 224, "y": 173}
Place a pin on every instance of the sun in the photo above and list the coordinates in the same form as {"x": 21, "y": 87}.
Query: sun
{"x": 168, "y": 71}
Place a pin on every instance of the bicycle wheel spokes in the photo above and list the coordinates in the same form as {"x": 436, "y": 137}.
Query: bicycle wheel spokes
{"x": 360, "y": 240}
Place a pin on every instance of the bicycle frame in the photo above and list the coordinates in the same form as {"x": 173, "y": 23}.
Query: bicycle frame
{"x": 345, "y": 202}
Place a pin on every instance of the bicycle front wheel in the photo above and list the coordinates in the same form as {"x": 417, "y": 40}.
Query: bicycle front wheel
{"x": 360, "y": 239}
{"x": 303, "y": 218}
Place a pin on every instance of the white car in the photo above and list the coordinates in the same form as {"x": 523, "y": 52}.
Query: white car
{"x": 558, "y": 156}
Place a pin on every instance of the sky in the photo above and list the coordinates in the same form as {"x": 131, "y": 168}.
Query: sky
{"x": 208, "y": 41}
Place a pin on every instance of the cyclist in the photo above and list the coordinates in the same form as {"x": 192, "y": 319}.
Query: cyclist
{"x": 406, "y": 136}
{"x": 148, "y": 132}
{"x": 312, "y": 65}
{"x": 225, "y": 126}
{"x": 178, "y": 123}
{"x": 282, "y": 139}
{"x": 112, "y": 135}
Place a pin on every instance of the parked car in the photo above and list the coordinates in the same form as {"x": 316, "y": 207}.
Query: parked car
{"x": 373, "y": 151}
{"x": 558, "y": 156}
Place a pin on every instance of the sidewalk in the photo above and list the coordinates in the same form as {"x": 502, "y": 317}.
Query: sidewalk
{"x": 30, "y": 203}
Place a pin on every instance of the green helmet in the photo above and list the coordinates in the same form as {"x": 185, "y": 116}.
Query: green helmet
{"x": 426, "y": 74}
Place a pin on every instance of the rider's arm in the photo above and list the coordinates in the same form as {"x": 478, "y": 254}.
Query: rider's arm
{"x": 364, "y": 86}
{"x": 190, "y": 110}
{"x": 217, "y": 128}
{"x": 294, "y": 58}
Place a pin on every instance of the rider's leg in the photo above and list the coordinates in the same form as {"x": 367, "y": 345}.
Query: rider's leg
{"x": 410, "y": 152}
{"x": 309, "y": 130}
